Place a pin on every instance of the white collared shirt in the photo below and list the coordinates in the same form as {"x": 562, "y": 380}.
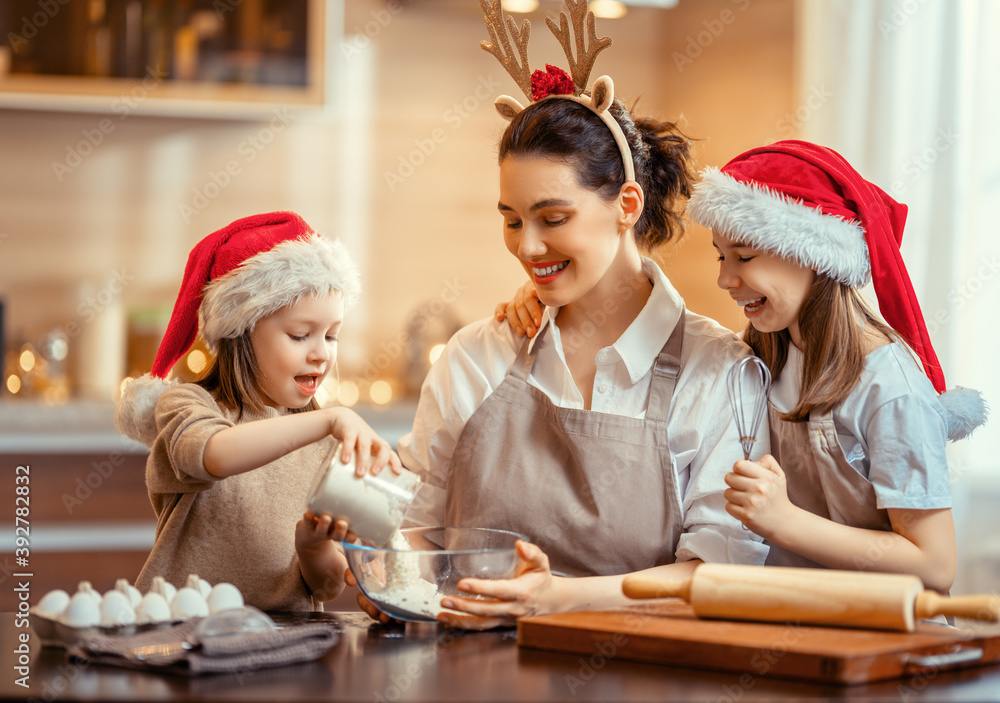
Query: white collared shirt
{"x": 704, "y": 442}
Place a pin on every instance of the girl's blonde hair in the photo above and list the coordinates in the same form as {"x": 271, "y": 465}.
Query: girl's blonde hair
{"x": 232, "y": 379}
{"x": 834, "y": 322}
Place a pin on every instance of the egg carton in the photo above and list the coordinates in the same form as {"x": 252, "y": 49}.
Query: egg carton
{"x": 55, "y": 633}
{"x": 60, "y": 620}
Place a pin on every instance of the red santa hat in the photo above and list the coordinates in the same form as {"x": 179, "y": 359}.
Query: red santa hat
{"x": 233, "y": 278}
{"x": 805, "y": 203}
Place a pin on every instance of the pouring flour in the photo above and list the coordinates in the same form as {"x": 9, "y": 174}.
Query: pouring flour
{"x": 374, "y": 507}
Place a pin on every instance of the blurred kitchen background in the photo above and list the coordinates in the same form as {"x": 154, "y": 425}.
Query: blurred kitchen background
{"x": 130, "y": 129}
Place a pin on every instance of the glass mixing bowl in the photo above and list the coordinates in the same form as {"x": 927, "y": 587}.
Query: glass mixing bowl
{"x": 408, "y": 584}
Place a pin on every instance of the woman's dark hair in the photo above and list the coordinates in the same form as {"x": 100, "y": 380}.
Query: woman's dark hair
{"x": 232, "y": 378}
{"x": 570, "y": 132}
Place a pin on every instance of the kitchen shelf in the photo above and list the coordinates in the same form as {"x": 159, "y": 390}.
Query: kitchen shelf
{"x": 236, "y": 82}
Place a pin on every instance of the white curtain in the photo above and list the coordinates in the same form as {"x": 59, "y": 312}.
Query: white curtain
{"x": 909, "y": 92}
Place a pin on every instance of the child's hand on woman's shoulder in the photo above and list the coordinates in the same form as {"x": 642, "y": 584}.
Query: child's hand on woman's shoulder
{"x": 523, "y": 312}
{"x": 357, "y": 436}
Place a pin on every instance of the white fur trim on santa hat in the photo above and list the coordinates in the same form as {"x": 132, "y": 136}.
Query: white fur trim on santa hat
{"x": 267, "y": 282}
{"x": 135, "y": 412}
{"x": 764, "y": 219}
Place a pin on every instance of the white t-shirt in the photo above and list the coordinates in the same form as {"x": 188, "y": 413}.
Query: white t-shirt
{"x": 891, "y": 427}
{"x": 703, "y": 438}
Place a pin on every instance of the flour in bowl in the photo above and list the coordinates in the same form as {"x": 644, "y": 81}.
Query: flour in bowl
{"x": 404, "y": 588}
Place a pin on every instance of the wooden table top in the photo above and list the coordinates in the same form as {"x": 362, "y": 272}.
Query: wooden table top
{"x": 428, "y": 663}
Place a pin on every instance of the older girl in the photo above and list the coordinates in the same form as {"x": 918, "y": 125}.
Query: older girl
{"x": 857, "y": 478}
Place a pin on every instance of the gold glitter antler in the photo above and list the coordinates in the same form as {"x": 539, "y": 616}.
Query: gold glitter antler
{"x": 499, "y": 44}
{"x": 579, "y": 68}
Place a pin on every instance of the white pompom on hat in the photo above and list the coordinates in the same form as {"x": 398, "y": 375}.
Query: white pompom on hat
{"x": 235, "y": 277}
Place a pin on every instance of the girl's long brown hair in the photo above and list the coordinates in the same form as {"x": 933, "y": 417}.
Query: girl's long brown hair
{"x": 833, "y": 322}
{"x": 232, "y": 378}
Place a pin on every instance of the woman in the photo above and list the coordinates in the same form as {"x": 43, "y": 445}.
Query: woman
{"x": 606, "y": 437}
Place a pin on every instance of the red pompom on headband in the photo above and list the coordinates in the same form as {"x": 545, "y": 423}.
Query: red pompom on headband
{"x": 552, "y": 81}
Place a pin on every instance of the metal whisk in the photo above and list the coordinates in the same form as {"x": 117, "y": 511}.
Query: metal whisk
{"x": 749, "y": 381}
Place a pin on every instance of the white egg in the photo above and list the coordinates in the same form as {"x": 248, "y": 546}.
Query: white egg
{"x": 90, "y": 591}
{"x": 152, "y": 609}
{"x": 187, "y": 604}
{"x": 116, "y": 609}
{"x": 82, "y": 611}
{"x": 131, "y": 591}
{"x": 164, "y": 588}
{"x": 53, "y": 604}
{"x": 223, "y": 597}
{"x": 199, "y": 584}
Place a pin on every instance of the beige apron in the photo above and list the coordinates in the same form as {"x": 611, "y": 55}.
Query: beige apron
{"x": 820, "y": 480}
{"x": 597, "y": 492}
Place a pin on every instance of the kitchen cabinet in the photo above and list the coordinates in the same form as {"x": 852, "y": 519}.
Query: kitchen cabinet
{"x": 90, "y": 518}
{"x": 204, "y": 58}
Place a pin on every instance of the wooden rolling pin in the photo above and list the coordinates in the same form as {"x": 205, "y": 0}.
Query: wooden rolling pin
{"x": 811, "y": 596}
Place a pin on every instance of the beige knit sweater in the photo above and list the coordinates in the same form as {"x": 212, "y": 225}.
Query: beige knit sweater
{"x": 240, "y": 529}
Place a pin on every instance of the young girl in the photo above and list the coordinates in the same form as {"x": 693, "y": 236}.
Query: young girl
{"x": 606, "y": 438}
{"x": 233, "y": 455}
{"x": 857, "y": 478}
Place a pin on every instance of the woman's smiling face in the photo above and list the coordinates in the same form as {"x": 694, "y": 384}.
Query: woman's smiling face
{"x": 566, "y": 237}
{"x": 770, "y": 289}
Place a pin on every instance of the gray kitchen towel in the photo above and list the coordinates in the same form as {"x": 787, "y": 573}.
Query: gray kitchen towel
{"x": 171, "y": 650}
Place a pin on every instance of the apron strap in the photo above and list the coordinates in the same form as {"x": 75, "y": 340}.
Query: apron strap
{"x": 521, "y": 368}
{"x": 817, "y": 417}
{"x": 666, "y": 370}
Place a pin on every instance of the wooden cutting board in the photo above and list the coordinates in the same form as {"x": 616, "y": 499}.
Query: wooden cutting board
{"x": 667, "y": 632}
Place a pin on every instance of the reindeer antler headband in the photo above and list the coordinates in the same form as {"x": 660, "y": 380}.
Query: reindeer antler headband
{"x": 553, "y": 82}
